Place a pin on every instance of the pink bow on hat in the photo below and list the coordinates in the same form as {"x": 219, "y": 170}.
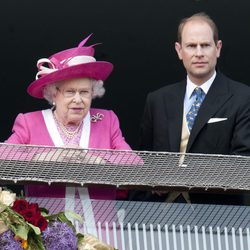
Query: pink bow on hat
{"x": 72, "y": 63}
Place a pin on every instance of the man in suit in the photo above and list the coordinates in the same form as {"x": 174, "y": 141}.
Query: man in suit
{"x": 219, "y": 123}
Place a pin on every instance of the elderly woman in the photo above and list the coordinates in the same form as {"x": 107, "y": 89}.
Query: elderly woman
{"x": 70, "y": 80}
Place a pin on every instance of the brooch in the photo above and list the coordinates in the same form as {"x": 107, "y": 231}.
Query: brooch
{"x": 96, "y": 117}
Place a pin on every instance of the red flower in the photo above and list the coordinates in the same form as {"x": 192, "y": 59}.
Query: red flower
{"x": 41, "y": 222}
{"x": 30, "y": 215}
{"x": 20, "y": 205}
{"x": 34, "y": 207}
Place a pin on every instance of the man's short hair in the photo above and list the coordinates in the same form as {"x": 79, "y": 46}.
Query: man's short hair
{"x": 198, "y": 16}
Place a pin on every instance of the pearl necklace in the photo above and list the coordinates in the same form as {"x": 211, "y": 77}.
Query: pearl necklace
{"x": 69, "y": 134}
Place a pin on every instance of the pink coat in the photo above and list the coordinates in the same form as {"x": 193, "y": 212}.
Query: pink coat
{"x": 30, "y": 128}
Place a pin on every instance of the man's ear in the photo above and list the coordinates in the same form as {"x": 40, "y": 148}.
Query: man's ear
{"x": 218, "y": 47}
{"x": 178, "y": 50}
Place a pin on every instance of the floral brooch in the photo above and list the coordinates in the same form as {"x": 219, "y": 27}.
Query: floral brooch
{"x": 97, "y": 117}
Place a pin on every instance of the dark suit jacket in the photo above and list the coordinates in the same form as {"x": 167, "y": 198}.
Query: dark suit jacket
{"x": 162, "y": 121}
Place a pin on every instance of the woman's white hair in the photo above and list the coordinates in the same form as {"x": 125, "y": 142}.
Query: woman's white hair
{"x": 50, "y": 90}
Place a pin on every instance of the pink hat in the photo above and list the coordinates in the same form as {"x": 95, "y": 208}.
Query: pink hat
{"x": 69, "y": 64}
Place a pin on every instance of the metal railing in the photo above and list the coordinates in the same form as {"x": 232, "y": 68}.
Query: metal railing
{"x": 161, "y": 226}
{"x": 129, "y": 225}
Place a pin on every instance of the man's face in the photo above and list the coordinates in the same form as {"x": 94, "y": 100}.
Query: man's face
{"x": 198, "y": 51}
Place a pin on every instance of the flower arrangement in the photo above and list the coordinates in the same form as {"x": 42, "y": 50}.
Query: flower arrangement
{"x": 25, "y": 225}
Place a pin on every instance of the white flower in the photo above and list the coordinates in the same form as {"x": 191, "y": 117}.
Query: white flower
{"x": 6, "y": 197}
{"x": 90, "y": 242}
{"x": 86, "y": 247}
{"x": 3, "y": 227}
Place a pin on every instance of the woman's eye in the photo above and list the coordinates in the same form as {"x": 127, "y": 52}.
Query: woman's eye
{"x": 84, "y": 92}
{"x": 70, "y": 91}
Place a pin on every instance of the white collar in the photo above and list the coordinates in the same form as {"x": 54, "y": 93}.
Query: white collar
{"x": 205, "y": 86}
{"x": 54, "y": 134}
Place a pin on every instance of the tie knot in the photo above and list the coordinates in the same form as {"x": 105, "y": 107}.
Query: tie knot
{"x": 199, "y": 93}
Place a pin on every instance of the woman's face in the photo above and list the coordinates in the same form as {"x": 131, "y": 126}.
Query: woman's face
{"x": 73, "y": 100}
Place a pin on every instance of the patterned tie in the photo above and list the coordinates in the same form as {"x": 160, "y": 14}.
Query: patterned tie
{"x": 191, "y": 115}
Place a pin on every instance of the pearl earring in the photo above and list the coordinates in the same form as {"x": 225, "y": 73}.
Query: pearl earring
{"x": 53, "y": 106}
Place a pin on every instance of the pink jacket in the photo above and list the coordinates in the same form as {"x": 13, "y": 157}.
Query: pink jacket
{"x": 30, "y": 128}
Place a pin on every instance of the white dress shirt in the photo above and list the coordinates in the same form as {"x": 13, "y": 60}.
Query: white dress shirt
{"x": 189, "y": 98}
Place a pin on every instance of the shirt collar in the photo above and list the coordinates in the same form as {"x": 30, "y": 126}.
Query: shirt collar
{"x": 205, "y": 86}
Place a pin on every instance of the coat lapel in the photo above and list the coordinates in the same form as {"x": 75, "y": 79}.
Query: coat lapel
{"x": 174, "y": 113}
{"x": 217, "y": 95}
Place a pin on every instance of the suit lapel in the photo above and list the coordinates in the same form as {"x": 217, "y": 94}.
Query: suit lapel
{"x": 174, "y": 113}
{"x": 217, "y": 95}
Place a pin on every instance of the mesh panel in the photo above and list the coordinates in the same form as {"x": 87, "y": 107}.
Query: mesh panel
{"x": 123, "y": 168}
{"x": 155, "y": 213}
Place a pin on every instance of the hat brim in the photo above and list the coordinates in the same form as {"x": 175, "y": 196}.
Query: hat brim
{"x": 96, "y": 70}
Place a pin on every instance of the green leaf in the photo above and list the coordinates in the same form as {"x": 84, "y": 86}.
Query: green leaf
{"x": 44, "y": 211}
{"x": 35, "y": 229}
{"x": 80, "y": 239}
{"x": 73, "y": 215}
{"x": 63, "y": 216}
{"x": 21, "y": 232}
{"x": 36, "y": 243}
